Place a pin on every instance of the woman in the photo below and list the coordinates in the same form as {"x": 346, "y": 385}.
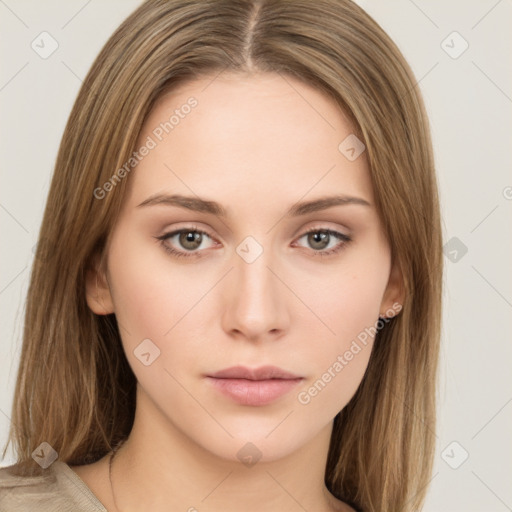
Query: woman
{"x": 236, "y": 297}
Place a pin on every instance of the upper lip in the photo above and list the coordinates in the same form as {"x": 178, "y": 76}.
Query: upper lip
{"x": 261, "y": 373}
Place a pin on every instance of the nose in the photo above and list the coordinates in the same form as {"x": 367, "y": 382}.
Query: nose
{"x": 256, "y": 299}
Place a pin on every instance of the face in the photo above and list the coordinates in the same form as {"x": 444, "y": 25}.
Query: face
{"x": 267, "y": 282}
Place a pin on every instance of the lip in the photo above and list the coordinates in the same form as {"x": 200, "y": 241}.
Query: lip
{"x": 260, "y": 373}
{"x": 254, "y": 386}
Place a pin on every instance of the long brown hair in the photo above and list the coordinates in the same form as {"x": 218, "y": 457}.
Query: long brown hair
{"x": 75, "y": 389}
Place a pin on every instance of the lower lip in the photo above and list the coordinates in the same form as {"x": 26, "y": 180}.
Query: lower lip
{"x": 254, "y": 392}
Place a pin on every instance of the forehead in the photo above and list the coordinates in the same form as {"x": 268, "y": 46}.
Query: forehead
{"x": 260, "y": 136}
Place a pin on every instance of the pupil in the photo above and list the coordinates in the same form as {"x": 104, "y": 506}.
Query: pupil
{"x": 320, "y": 238}
{"x": 190, "y": 239}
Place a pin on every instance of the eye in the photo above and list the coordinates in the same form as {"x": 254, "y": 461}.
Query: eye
{"x": 190, "y": 239}
{"x": 318, "y": 239}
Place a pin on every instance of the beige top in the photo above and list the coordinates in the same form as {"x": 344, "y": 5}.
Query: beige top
{"x": 59, "y": 489}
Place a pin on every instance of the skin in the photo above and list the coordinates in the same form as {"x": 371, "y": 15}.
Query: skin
{"x": 257, "y": 144}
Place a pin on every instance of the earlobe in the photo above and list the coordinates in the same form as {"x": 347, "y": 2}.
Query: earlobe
{"x": 97, "y": 290}
{"x": 394, "y": 294}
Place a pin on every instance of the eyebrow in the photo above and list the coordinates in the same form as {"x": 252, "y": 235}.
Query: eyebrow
{"x": 205, "y": 206}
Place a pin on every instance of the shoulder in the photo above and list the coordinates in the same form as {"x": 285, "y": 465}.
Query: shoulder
{"x": 57, "y": 488}
{"x": 20, "y": 493}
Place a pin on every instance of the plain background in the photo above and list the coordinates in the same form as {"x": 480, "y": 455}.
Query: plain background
{"x": 468, "y": 98}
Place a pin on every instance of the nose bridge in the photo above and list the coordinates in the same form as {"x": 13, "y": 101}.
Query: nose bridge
{"x": 252, "y": 270}
{"x": 256, "y": 305}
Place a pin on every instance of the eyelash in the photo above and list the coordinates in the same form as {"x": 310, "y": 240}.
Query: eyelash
{"x": 345, "y": 239}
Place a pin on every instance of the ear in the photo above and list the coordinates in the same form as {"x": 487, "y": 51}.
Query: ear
{"x": 394, "y": 295}
{"x": 97, "y": 289}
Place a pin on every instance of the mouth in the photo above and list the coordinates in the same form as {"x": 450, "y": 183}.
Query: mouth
{"x": 254, "y": 387}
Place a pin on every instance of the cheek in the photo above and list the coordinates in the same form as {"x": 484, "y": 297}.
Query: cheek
{"x": 338, "y": 362}
{"x": 151, "y": 296}
{"x": 348, "y": 306}
{"x": 348, "y": 299}
{"x": 155, "y": 301}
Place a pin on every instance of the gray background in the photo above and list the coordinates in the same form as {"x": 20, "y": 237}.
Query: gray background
{"x": 468, "y": 97}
